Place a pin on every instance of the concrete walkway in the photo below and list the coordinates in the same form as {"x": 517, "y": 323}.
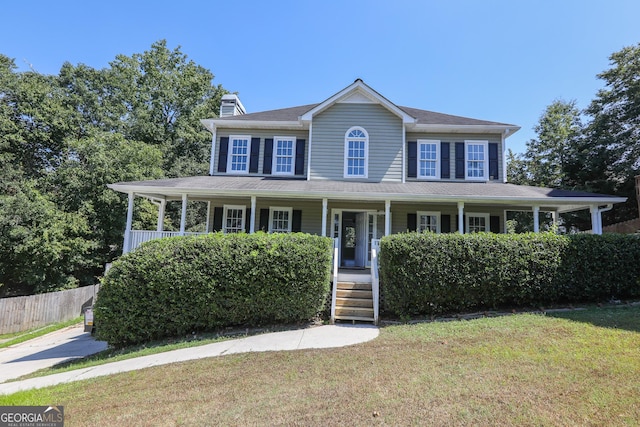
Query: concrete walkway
{"x": 327, "y": 336}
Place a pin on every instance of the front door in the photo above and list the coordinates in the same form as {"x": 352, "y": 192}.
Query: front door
{"x": 356, "y": 231}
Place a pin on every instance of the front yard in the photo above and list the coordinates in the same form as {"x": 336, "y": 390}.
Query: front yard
{"x": 577, "y": 368}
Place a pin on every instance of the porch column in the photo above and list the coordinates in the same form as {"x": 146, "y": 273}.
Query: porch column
{"x": 324, "y": 217}
{"x": 536, "y": 219}
{"x": 183, "y": 217}
{"x": 554, "y": 219}
{"x": 161, "y": 208}
{"x": 461, "y": 217}
{"x": 127, "y": 230}
{"x": 387, "y": 217}
{"x": 252, "y": 220}
{"x": 208, "y": 222}
{"x": 596, "y": 220}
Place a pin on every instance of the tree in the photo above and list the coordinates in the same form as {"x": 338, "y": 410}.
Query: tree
{"x": 609, "y": 157}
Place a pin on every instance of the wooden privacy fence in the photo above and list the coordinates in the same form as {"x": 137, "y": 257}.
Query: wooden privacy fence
{"x": 22, "y": 313}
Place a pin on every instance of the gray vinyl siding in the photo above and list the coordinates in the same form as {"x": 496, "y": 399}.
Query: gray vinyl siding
{"x": 262, "y": 134}
{"x": 452, "y": 139}
{"x": 312, "y": 211}
{"x": 385, "y": 141}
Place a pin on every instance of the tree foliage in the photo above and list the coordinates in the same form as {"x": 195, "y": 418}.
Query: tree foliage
{"x": 601, "y": 156}
{"x": 64, "y": 137}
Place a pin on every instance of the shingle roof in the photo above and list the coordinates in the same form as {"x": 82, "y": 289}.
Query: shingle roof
{"x": 424, "y": 191}
{"x": 423, "y": 117}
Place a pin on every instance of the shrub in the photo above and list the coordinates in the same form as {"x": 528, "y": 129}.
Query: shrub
{"x": 169, "y": 287}
{"x": 429, "y": 273}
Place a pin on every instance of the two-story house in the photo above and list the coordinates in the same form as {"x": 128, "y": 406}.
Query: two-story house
{"x": 355, "y": 167}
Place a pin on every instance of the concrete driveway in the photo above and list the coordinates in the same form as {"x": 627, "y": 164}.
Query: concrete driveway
{"x": 46, "y": 351}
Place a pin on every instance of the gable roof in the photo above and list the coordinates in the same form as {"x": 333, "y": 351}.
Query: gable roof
{"x": 414, "y": 118}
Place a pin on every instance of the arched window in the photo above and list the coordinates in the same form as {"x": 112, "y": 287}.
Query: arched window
{"x": 356, "y": 153}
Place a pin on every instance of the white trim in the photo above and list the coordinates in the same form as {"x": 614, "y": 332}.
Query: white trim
{"x": 127, "y": 228}
{"x": 280, "y": 209}
{"x": 437, "y": 143}
{"x": 230, "y": 154}
{"x": 224, "y": 216}
{"x": 435, "y": 214}
{"x": 366, "y": 151}
{"x": 404, "y": 154}
{"x": 274, "y": 156}
{"x": 503, "y": 142}
{"x": 486, "y": 216}
{"x": 309, "y": 153}
{"x": 213, "y": 150}
{"x": 485, "y": 162}
{"x": 359, "y": 87}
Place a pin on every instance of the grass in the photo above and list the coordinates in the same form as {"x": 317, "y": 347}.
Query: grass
{"x": 578, "y": 368}
{"x": 18, "y": 337}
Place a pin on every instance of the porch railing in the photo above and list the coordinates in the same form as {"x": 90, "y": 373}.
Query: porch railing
{"x": 375, "y": 279}
{"x": 138, "y": 237}
{"x": 335, "y": 279}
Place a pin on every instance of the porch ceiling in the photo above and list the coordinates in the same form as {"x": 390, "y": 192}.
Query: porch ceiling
{"x": 508, "y": 195}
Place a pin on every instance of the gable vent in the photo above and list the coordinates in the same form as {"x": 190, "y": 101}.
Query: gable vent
{"x": 230, "y": 105}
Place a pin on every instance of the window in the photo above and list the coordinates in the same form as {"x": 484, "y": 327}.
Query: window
{"x": 238, "y": 159}
{"x": 280, "y": 220}
{"x": 356, "y": 149}
{"x": 233, "y": 220}
{"x": 283, "y": 155}
{"x": 476, "y": 158}
{"x": 477, "y": 222}
{"x": 428, "y": 221}
{"x": 428, "y": 155}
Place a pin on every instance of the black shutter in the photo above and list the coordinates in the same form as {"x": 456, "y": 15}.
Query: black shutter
{"x": 247, "y": 220}
{"x": 412, "y": 222}
{"x": 222, "y": 155}
{"x": 412, "y": 166}
{"x": 218, "y": 212}
{"x": 296, "y": 221}
{"x": 445, "y": 223}
{"x": 445, "y": 166}
{"x": 459, "y": 160}
{"x": 268, "y": 154}
{"x": 300, "y": 157}
{"x": 255, "y": 153}
{"x": 493, "y": 160}
{"x": 494, "y": 224}
{"x": 264, "y": 220}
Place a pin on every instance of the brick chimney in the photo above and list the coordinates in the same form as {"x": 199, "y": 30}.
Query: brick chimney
{"x": 230, "y": 105}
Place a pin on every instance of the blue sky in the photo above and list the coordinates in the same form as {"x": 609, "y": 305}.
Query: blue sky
{"x": 496, "y": 60}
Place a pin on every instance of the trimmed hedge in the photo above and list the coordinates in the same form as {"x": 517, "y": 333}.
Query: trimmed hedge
{"x": 436, "y": 273}
{"x": 169, "y": 287}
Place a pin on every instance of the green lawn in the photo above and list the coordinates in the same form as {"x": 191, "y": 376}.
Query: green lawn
{"x": 577, "y": 368}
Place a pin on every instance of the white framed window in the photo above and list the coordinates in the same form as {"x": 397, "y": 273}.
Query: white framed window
{"x": 428, "y": 159}
{"x": 476, "y": 160}
{"x": 477, "y": 222}
{"x": 356, "y": 153}
{"x": 238, "y": 155}
{"x": 428, "y": 221}
{"x": 280, "y": 219}
{"x": 284, "y": 154}
{"x": 233, "y": 220}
